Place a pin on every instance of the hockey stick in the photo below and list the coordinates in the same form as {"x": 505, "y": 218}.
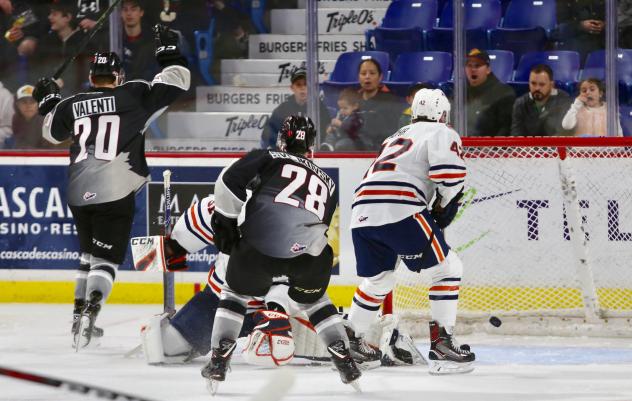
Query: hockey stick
{"x": 60, "y": 70}
{"x": 167, "y": 277}
{"x": 68, "y": 385}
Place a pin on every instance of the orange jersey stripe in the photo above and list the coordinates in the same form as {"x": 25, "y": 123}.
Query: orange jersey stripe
{"x": 445, "y": 288}
{"x": 435, "y": 244}
{"x": 368, "y": 297}
{"x": 447, "y": 175}
{"x": 197, "y": 226}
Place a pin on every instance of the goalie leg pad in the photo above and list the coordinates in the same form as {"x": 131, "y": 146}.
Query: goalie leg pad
{"x": 271, "y": 342}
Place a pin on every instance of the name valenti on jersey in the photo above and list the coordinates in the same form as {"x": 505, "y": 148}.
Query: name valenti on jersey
{"x": 331, "y": 186}
{"x": 101, "y": 105}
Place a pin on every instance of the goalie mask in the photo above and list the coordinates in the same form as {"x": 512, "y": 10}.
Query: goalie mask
{"x": 297, "y": 135}
{"x": 430, "y": 105}
{"x": 107, "y": 64}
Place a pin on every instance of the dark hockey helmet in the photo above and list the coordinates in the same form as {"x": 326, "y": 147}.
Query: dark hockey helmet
{"x": 107, "y": 64}
{"x": 297, "y": 135}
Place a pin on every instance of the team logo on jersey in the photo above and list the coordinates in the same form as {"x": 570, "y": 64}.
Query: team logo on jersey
{"x": 296, "y": 248}
{"x": 89, "y": 196}
{"x": 363, "y": 218}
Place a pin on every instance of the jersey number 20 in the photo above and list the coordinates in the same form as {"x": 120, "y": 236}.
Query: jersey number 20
{"x": 316, "y": 197}
{"x": 106, "y": 140}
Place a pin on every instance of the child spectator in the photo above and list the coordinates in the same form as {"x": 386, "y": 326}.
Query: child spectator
{"x": 587, "y": 115}
{"x": 27, "y": 123}
{"x": 404, "y": 119}
{"x": 345, "y": 130}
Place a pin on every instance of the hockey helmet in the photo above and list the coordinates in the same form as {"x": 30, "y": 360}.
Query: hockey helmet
{"x": 297, "y": 135}
{"x": 107, "y": 64}
{"x": 431, "y": 105}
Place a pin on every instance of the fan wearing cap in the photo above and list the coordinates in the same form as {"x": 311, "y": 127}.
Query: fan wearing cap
{"x": 296, "y": 105}
{"x": 489, "y": 101}
{"x": 27, "y": 123}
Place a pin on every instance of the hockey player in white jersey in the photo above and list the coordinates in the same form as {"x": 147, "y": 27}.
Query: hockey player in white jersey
{"x": 391, "y": 221}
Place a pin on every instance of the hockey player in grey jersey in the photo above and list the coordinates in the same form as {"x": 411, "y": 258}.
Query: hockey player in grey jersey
{"x": 286, "y": 203}
{"x": 107, "y": 162}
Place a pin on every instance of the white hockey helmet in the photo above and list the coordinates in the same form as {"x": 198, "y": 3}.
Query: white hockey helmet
{"x": 431, "y": 104}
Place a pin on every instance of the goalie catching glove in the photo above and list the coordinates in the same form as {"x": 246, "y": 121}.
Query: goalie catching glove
{"x": 158, "y": 253}
{"x": 270, "y": 343}
{"x": 226, "y": 232}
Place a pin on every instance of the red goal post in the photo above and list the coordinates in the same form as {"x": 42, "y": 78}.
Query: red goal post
{"x": 545, "y": 235}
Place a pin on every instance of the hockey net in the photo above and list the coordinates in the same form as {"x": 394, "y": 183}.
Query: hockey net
{"x": 545, "y": 236}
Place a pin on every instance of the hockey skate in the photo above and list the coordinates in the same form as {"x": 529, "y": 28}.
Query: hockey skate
{"x": 344, "y": 363}
{"x": 215, "y": 370}
{"x": 85, "y": 326}
{"x": 80, "y": 304}
{"x": 365, "y": 355}
{"x": 446, "y": 356}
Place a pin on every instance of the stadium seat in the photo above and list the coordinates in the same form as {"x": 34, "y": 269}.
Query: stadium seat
{"x": 625, "y": 115}
{"x": 502, "y": 62}
{"x": 565, "y": 66}
{"x": 595, "y": 67}
{"x": 530, "y": 13}
{"x": 484, "y": 14}
{"x": 402, "y": 27}
{"x": 518, "y": 40}
{"x": 204, "y": 52}
{"x": 410, "y": 68}
{"x": 441, "y": 39}
{"x": 345, "y": 73}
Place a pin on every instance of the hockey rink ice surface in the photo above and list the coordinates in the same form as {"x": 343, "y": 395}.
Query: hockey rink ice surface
{"x": 36, "y": 338}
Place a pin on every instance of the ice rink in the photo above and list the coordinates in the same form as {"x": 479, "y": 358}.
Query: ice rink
{"x": 36, "y": 338}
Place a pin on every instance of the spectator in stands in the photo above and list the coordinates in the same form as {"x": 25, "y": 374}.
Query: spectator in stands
{"x": 232, "y": 32}
{"x": 6, "y": 115}
{"x": 489, "y": 101}
{"x": 624, "y": 13}
{"x": 28, "y": 23}
{"x": 540, "y": 112}
{"x": 345, "y": 130}
{"x": 88, "y": 12}
{"x": 138, "y": 61}
{"x": 380, "y": 107}
{"x": 296, "y": 105}
{"x": 404, "y": 119}
{"x": 581, "y": 26}
{"x": 27, "y": 123}
{"x": 587, "y": 115}
{"x": 61, "y": 43}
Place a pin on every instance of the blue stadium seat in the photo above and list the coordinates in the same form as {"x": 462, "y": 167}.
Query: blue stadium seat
{"x": 564, "y": 63}
{"x": 502, "y": 62}
{"x": 625, "y": 115}
{"x": 478, "y": 14}
{"x": 441, "y": 39}
{"x": 410, "y": 68}
{"x": 403, "y": 25}
{"x": 204, "y": 52}
{"x": 345, "y": 73}
{"x": 595, "y": 67}
{"x": 530, "y": 13}
{"x": 518, "y": 40}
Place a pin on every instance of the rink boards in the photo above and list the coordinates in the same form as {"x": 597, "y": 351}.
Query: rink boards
{"x": 38, "y": 245}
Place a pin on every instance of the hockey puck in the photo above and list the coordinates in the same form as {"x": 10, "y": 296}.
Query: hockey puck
{"x": 495, "y": 321}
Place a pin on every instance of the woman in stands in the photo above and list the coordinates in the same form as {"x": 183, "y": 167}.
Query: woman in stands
{"x": 381, "y": 108}
{"x": 587, "y": 115}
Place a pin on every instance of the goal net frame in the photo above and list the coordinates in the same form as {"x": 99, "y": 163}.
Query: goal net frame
{"x": 545, "y": 235}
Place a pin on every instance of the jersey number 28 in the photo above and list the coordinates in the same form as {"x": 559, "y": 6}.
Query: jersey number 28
{"x": 317, "y": 193}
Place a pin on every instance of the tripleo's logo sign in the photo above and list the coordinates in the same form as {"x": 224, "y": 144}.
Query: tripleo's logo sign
{"x": 287, "y": 69}
{"x": 236, "y": 125}
{"x": 337, "y": 20}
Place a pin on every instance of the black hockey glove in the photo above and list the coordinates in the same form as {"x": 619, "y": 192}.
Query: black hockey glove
{"x": 167, "y": 47}
{"x": 226, "y": 233}
{"x": 444, "y": 215}
{"x": 175, "y": 255}
{"x": 47, "y": 95}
